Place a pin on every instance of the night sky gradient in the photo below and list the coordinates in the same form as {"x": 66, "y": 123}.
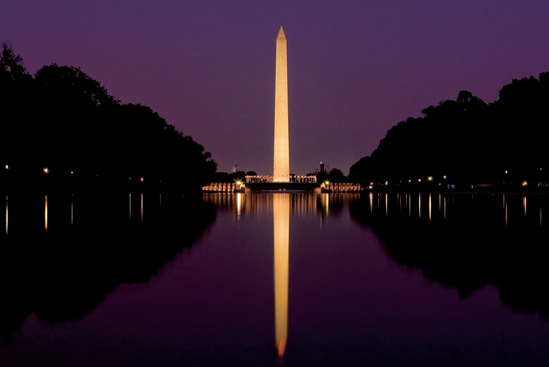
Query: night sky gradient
{"x": 356, "y": 68}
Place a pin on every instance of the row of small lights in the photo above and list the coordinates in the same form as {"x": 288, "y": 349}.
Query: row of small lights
{"x": 429, "y": 178}
{"x": 47, "y": 170}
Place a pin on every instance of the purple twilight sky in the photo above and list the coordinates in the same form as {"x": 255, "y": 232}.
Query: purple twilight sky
{"x": 356, "y": 67}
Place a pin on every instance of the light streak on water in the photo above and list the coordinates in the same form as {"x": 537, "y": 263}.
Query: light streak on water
{"x": 72, "y": 210}
{"x": 238, "y": 205}
{"x": 419, "y": 205}
{"x": 429, "y": 207}
{"x": 6, "y": 215}
{"x": 46, "y": 214}
{"x": 409, "y": 204}
{"x": 281, "y": 240}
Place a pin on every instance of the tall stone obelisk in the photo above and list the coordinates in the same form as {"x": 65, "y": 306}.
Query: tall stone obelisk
{"x": 281, "y": 167}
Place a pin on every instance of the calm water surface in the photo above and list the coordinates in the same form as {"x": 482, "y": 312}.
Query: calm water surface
{"x": 275, "y": 279}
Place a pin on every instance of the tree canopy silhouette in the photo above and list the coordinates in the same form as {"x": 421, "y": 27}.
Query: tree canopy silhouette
{"x": 467, "y": 140}
{"x": 65, "y": 120}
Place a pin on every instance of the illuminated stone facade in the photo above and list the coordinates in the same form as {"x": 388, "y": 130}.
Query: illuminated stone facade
{"x": 281, "y": 166}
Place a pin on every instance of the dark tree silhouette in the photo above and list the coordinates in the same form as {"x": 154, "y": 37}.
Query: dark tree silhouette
{"x": 470, "y": 248}
{"x": 467, "y": 141}
{"x": 65, "y": 120}
{"x": 336, "y": 175}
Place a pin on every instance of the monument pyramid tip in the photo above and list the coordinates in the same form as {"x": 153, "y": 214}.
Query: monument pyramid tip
{"x": 281, "y": 33}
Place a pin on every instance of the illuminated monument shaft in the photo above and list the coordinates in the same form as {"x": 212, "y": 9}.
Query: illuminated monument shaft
{"x": 281, "y": 167}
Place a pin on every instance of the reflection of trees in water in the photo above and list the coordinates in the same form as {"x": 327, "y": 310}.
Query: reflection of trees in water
{"x": 63, "y": 274}
{"x": 483, "y": 240}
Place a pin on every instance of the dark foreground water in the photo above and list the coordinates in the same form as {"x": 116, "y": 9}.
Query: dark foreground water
{"x": 263, "y": 280}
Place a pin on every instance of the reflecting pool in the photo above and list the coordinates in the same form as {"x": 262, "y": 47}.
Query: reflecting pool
{"x": 374, "y": 279}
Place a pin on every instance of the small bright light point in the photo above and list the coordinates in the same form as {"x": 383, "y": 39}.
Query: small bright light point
{"x": 142, "y": 179}
{"x": 386, "y": 183}
{"x": 505, "y": 171}
{"x": 524, "y": 183}
{"x": 46, "y": 170}
{"x": 72, "y": 172}
{"x": 444, "y": 177}
{"x": 419, "y": 180}
{"x": 7, "y": 166}
{"x": 430, "y": 178}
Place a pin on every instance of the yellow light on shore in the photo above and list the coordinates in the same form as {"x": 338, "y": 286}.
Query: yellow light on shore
{"x": 430, "y": 178}
{"x": 444, "y": 177}
{"x": 7, "y": 167}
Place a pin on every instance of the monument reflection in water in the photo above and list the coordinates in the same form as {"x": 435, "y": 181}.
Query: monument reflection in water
{"x": 281, "y": 239}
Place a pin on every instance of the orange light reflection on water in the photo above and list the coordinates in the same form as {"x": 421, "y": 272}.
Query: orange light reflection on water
{"x": 46, "y": 214}
{"x": 281, "y": 239}
{"x": 6, "y": 215}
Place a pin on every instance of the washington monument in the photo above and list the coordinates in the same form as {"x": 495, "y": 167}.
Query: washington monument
{"x": 281, "y": 167}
